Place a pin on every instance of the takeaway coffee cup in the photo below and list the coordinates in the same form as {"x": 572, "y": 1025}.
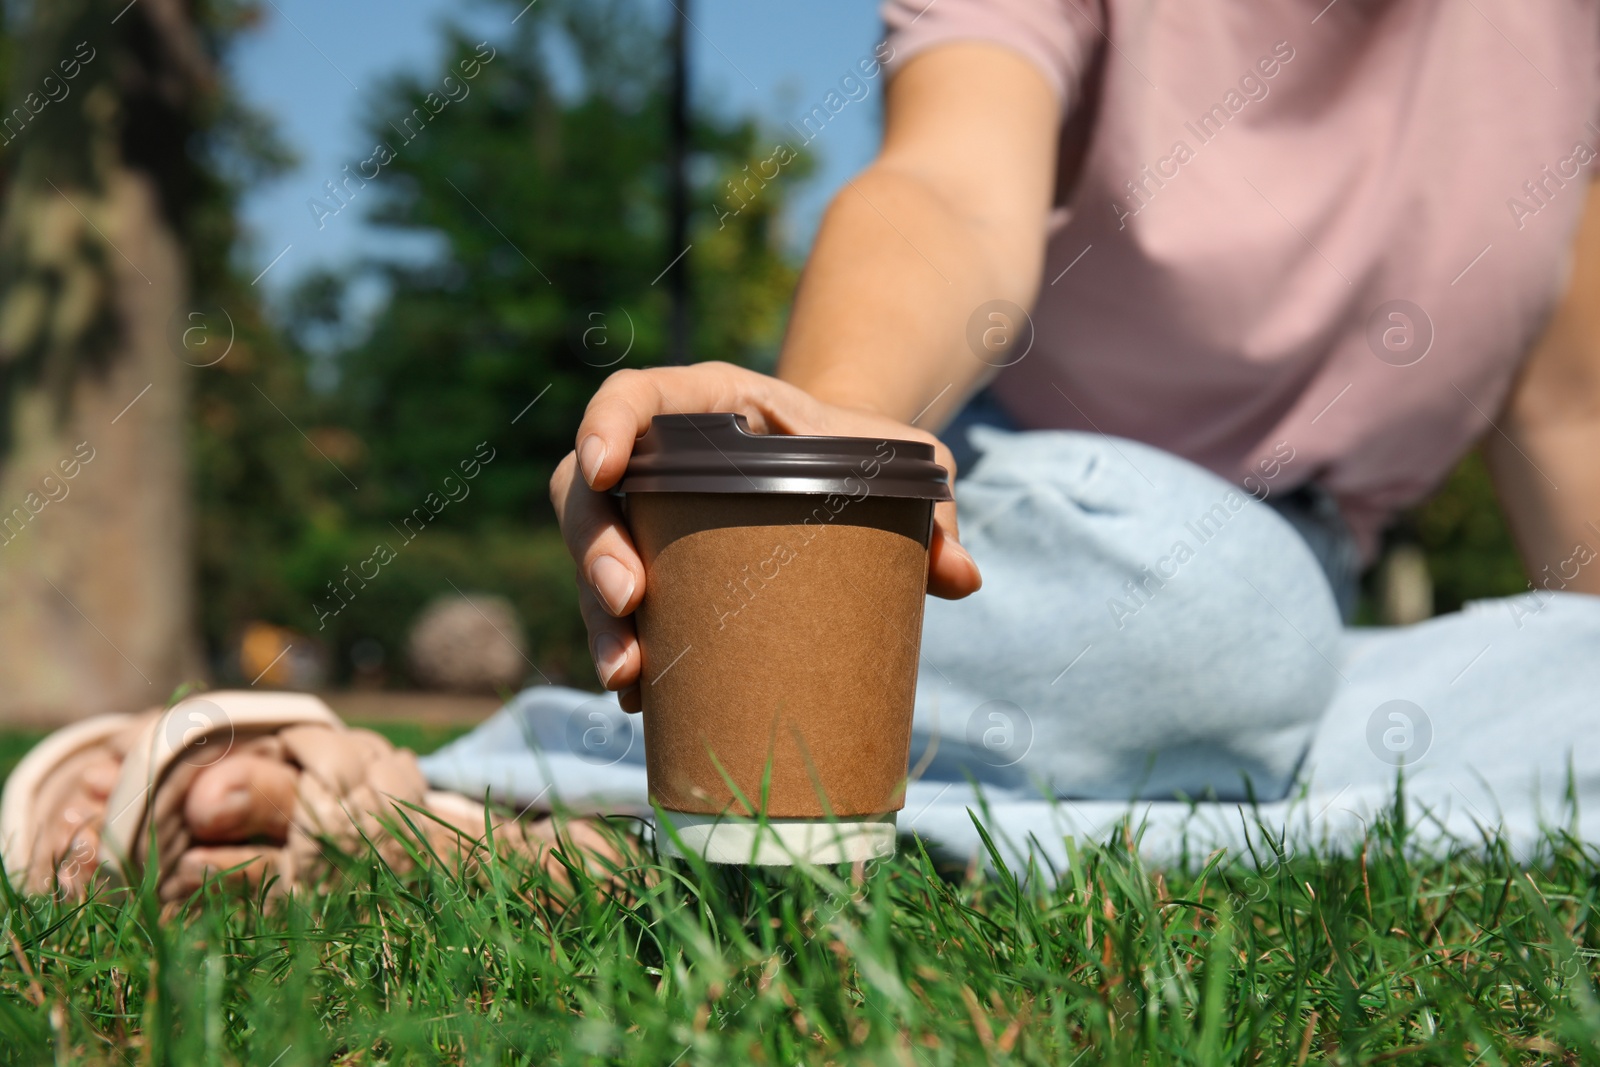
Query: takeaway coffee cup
{"x": 780, "y": 625}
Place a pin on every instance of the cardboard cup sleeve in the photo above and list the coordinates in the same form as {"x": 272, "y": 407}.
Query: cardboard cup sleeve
{"x": 782, "y": 616}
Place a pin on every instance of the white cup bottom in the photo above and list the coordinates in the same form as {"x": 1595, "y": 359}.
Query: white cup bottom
{"x": 778, "y": 842}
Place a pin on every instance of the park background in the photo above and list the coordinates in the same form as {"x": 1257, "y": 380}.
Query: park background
{"x": 316, "y": 404}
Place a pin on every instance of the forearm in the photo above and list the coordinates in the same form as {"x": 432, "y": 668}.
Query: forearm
{"x": 1542, "y": 453}
{"x": 950, "y": 216}
{"x": 880, "y": 318}
{"x": 1550, "y": 486}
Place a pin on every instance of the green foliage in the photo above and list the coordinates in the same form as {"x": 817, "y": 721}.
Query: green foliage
{"x": 1464, "y": 534}
{"x": 1384, "y": 955}
{"x": 530, "y": 567}
{"x": 550, "y": 202}
{"x": 547, "y": 201}
{"x": 14, "y": 744}
{"x": 90, "y": 94}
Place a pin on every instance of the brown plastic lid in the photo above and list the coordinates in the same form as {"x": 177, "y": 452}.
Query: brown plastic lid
{"x": 716, "y": 453}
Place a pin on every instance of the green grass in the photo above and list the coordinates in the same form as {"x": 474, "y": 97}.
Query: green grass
{"x": 1371, "y": 958}
{"x": 1379, "y": 956}
{"x": 14, "y": 744}
{"x": 418, "y": 737}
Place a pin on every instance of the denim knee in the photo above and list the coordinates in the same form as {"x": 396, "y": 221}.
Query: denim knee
{"x": 1151, "y": 629}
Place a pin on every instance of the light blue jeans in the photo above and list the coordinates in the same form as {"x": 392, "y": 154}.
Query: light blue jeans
{"x": 1307, "y": 507}
{"x": 1145, "y": 628}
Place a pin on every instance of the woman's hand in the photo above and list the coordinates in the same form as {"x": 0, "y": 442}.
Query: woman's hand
{"x": 610, "y": 573}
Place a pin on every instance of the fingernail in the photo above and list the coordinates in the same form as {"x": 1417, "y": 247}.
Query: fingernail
{"x": 591, "y": 453}
{"x": 608, "y": 657}
{"x": 955, "y": 546}
{"x": 612, "y": 581}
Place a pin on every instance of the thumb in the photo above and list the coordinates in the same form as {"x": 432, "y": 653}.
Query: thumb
{"x": 952, "y": 574}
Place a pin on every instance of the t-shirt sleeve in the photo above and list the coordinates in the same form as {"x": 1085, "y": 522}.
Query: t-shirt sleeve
{"x": 1057, "y": 36}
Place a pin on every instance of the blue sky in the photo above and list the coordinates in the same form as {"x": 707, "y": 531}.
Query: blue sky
{"x": 315, "y": 66}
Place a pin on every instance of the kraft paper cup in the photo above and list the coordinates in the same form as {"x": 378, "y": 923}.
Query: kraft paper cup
{"x": 780, "y": 626}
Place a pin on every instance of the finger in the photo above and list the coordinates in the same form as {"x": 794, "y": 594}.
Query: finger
{"x": 626, "y": 402}
{"x": 612, "y": 643}
{"x": 621, "y": 410}
{"x": 952, "y": 574}
{"x": 598, "y": 539}
{"x": 241, "y": 797}
{"x": 579, "y": 839}
{"x": 99, "y": 776}
{"x": 254, "y": 863}
{"x": 77, "y": 866}
{"x": 560, "y": 848}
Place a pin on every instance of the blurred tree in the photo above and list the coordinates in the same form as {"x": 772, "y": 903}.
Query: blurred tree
{"x": 537, "y": 163}
{"x": 123, "y": 157}
{"x": 103, "y": 199}
{"x": 550, "y": 202}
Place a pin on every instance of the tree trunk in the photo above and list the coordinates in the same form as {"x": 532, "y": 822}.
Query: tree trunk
{"x": 96, "y": 609}
{"x": 96, "y": 586}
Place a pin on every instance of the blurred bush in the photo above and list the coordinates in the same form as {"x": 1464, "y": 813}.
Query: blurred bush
{"x": 529, "y": 567}
{"x": 1464, "y": 535}
{"x": 469, "y": 643}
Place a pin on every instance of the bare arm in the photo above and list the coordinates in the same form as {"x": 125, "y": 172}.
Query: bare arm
{"x": 1546, "y": 467}
{"x": 952, "y": 214}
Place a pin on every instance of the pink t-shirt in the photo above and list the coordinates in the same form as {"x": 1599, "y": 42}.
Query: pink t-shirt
{"x": 1325, "y": 230}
